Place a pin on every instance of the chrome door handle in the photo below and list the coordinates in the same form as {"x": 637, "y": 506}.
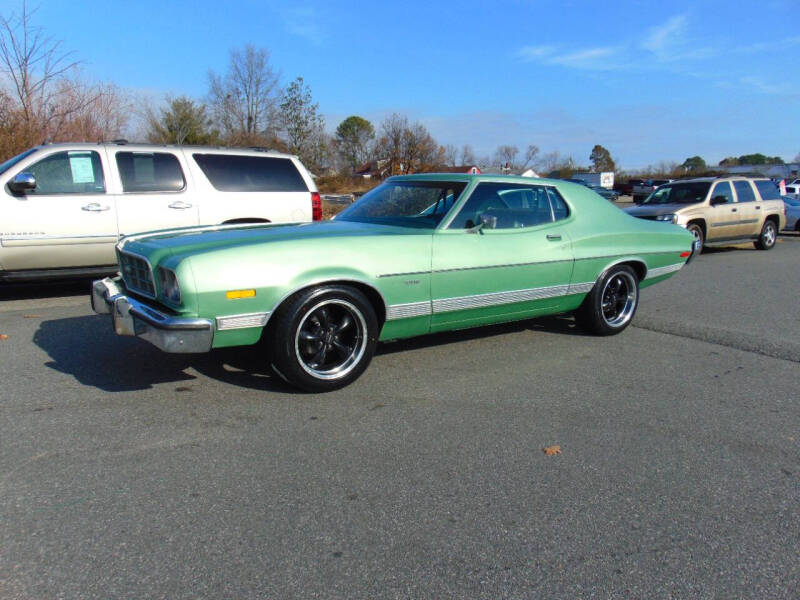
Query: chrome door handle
{"x": 94, "y": 207}
{"x": 180, "y": 205}
{"x": 553, "y": 236}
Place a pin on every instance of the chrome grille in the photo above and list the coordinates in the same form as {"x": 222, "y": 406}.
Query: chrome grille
{"x": 137, "y": 274}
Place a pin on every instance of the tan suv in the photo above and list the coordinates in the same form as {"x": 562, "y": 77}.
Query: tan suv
{"x": 721, "y": 209}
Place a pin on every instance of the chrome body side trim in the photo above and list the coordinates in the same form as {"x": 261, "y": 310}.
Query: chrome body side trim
{"x": 244, "y": 321}
{"x": 580, "y": 288}
{"x": 658, "y": 271}
{"x": 408, "y": 310}
{"x": 498, "y": 298}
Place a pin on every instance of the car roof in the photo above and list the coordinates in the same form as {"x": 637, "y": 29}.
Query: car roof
{"x": 467, "y": 177}
{"x": 723, "y": 178}
{"x": 122, "y": 145}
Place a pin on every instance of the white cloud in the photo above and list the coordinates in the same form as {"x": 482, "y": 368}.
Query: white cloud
{"x": 588, "y": 58}
{"x": 668, "y": 35}
{"x": 535, "y": 53}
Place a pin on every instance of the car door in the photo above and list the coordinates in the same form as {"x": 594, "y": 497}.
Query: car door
{"x": 723, "y": 214}
{"x": 504, "y": 255}
{"x": 152, "y": 191}
{"x": 67, "y": 220}
{"x": 749, "y": 211}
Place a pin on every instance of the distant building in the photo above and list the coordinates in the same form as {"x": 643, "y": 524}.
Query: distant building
{"x": 774, "y": 171}
{"x": 470, "y": 169}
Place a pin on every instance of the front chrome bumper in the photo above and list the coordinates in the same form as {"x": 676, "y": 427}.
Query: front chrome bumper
{"x": 132, "y": 317}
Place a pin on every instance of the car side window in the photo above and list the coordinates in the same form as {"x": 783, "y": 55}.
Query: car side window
{"x": 150, "y": 172}
{"x": 231, "y": 173}
{"x": 723, "y": 189}
{"x": 560, "y": 208}
{"x": 71, "y": 172}
{"x": 768, "y": 190}
{"x": 505, "y": 206}
{"x": 744, "y": 192}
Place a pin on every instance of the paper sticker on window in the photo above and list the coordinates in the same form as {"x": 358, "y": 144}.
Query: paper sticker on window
{"x": 82, "y": 170}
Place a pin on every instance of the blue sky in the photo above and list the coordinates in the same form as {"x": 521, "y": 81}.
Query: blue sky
{"x": 650, "y": 81}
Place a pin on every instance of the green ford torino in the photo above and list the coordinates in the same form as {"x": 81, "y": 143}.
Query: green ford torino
{"x": 418, "y": 254}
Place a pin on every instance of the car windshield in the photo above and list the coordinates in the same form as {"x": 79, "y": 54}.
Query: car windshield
{"x": 12, "y": 161}
{"x": 679, "y": 193}
{"x": 405, "y": 203}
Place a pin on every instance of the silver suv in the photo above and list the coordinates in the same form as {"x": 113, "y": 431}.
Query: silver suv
{"x": 64, "y": 207}
{"x": 721, "y": 209}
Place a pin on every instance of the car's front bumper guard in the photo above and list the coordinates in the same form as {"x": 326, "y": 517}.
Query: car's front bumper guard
{"x": 132, "y": 317}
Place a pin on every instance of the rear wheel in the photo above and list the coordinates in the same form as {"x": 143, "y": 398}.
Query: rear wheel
{"x": 697, "y": 231}
{"x": 611, "y": 305}
{"x": 768, "y": 237}
{"x": 324, "y": 338}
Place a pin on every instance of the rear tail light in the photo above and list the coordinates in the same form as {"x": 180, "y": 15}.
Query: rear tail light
{"x": 316, "y": 207}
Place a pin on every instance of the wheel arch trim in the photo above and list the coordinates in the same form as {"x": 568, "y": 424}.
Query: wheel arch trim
{"x": 372, "y": 294}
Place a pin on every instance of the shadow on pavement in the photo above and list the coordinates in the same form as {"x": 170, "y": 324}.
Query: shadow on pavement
{"x": 89, "y": 350}
{"x": 45, "y": 289}
{"x": 557, "y": 324}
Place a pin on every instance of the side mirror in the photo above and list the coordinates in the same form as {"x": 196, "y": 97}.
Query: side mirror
{"x": 719, "y": 200}
{"x": 22, "y": 183}
{"x": 489, "y": 221}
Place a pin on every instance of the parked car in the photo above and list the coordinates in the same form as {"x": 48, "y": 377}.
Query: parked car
{"x": 608, "y": 194}
{"x": 611, "y": 195}
{"x": 793, "y": 191}
{"x": 626, "y": 188}
{"x": 644, "y": 189}
{"x": 722, "y": 209}
{"x": 65, "y": 206}
{"x": 418, "y": 254}
{"x": 792, "y": 208}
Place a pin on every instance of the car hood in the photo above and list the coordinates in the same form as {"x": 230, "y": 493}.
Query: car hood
{"x": 654, "y": 210}
{"x": 197, "y": 240}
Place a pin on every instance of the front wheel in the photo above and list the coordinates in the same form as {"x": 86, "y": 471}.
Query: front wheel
{"x": 697, "y": 232}
{"x": 324, "y": 338}
{"x": 610, "y": 306}
{"x": 768, "y": 237}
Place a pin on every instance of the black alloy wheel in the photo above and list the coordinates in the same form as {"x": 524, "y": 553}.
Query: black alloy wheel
{"x": 324, "y": 338}
{"x": 611, "y": 305}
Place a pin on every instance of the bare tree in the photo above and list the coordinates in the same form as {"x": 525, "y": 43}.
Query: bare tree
{"x": 44, "y": 98}
{"x": 389, "y": 146}
{"x": 243, "y": 102}
{"x": 530, "y": 156}
{"x": 550, "y": 161}
{"x": 451, "y": 155}
{"x": 420, "y": 150}
{"x": 407, "y": 148}
{"x": 506, "y": 155}
{"x": 467, "y": 155}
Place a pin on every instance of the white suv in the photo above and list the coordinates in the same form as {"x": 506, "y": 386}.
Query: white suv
{"x": 63, "y": 207}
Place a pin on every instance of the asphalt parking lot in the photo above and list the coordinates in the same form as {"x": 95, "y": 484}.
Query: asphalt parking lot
{"x": 128, "y": 473}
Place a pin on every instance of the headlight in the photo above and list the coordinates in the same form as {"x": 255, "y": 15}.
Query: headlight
{"x": 168, "y": 283}
{"x": 672, "y": 218}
